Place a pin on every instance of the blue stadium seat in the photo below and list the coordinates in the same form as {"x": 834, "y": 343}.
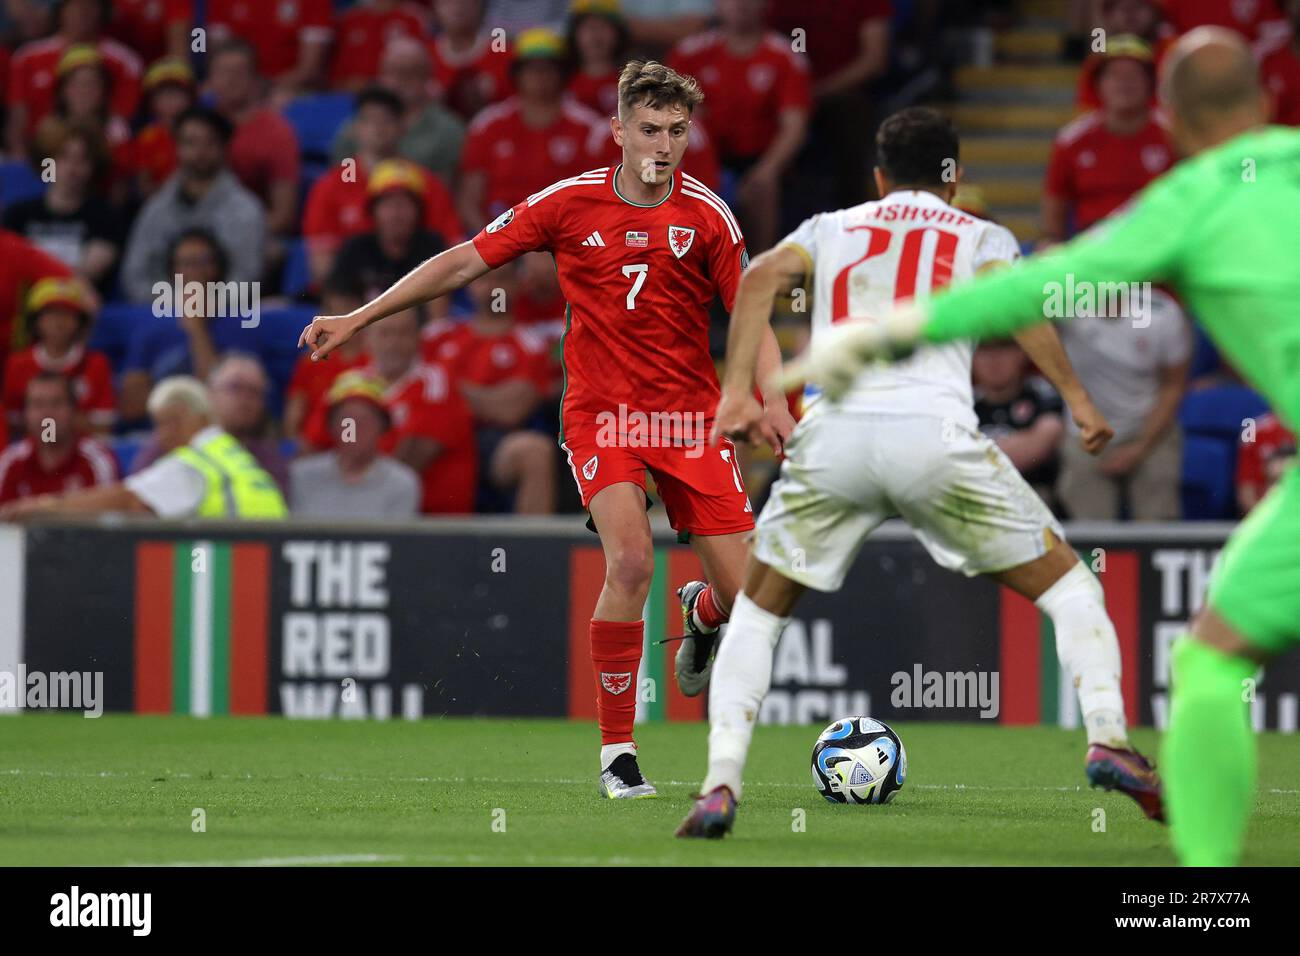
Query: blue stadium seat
{"x": 297, "y": 272}
{"x": 1207, "y": 485}
{"x": 125, "y": 449}
{"x": 19, "y": 182}
{"x": 277, "y": 344}
{"x": 115, "y": 326}
{"x": 1205, "y": 357}
{"x": 316, "y": 119}
{"x": 1219, "y": 412}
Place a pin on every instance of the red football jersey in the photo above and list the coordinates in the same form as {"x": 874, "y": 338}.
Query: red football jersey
{"x": 598, "y": 93}
{"x": 518, "y": 160}
{"x": 142, "y": 24}
{"x": 744, "y": 95}
{"x": 424, "y": 403}
{"x": 32, "y": 77}
{"x": 276, "y": 28}
{"x": 363, "y": 32}
{"x": 22, "y": 476}
{"x": 339, "y": 208}
{"x": 639, "y": 281}
{"x": 1096, "y": 172}
{"x": 474, "y": 79}
{"x": 92, "y": 380}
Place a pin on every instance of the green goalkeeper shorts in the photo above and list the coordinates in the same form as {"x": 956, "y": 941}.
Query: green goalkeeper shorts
{"x": 1256, "y": 587}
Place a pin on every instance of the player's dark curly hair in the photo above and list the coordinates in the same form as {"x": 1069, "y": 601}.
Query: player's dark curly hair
{"x": 917, "y": 147}
{"x": 650, "y": 83}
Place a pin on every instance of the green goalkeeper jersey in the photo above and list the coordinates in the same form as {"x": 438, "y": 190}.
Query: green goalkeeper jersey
{"x": 1222, "y": 229}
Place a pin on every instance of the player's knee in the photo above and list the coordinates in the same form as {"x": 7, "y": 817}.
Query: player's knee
{"x": 629, "y": 570}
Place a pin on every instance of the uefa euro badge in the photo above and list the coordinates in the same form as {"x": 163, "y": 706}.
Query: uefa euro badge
{"x": 616, "y": 683}
{"x": 680, "y": 239}
{"x": 501, "y": 221}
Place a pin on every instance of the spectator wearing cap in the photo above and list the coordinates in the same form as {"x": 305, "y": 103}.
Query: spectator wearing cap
{"x": 168, "y": 92}
{"x": 398, "y": 240}
{"x": 60, "y": 314}
{"x": 757, "y": 101}
{"x": 1020, "y": 412}
{"x": 25, "y": 265}
{"x": 341, "y": 294}
{"x": 1262, "y": 457}
{"x": 55, "y": 456}
{"x": 1135, "y": 368}
{"x": 292, "y": 39}
{"x": 263, "y": 151}
{"x": 364, "y": 33}
{"x": 338, "y": 206}
{"x": 431, "y": 135}
{"x": 354, "y": 479}
{"x": 1116, "y": 18}
{"x": 32, "y": 72}
{"x": 189, "y": 340}
{"x": 598, "y": 40}
{"x": 1101, "y": 159}
{"x": 202, "y": 193}
{"x": 237, "y": 392}
{"x": 153, "y": 28}
{"x": 433, "y": 428}
{"x": 471, "y": 64}
{"x": 203, "y": 473}
{"x": 506, "y": 376}
{"x": 71, "y": 221}
{"x": 532, "y": 139}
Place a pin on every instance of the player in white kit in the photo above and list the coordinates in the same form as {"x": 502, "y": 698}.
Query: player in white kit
{"x": 903, "y": 441}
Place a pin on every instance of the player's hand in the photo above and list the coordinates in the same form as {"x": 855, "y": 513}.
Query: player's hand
{"x": 778, "y": 423}
{"x": 1095, "y": 432}
{"x": 326, "y": 333}
{"x": 739, "y": 417}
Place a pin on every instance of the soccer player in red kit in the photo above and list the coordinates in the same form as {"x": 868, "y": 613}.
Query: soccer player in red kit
{"x": 641, "y": 250}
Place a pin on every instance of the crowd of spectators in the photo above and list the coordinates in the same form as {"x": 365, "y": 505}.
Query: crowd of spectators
{"x": 305, "y": 154}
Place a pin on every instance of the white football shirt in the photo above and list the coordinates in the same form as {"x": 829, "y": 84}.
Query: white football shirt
{"x": 866, "y": 258}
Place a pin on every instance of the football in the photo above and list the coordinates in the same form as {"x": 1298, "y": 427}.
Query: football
{"x": 858, "y": 760}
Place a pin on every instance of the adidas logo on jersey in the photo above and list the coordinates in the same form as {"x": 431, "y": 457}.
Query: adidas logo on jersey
{"x": 594, "y": 240}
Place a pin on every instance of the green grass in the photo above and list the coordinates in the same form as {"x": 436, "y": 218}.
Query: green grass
{"x": 122, "y": 789}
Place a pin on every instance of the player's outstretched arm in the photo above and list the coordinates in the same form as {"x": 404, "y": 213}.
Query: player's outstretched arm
{"x": 739, "y": 415}
{"x": 446, "y": 272}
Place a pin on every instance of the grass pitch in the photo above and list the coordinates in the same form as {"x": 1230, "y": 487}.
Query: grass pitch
{"x": 124, "y": 790}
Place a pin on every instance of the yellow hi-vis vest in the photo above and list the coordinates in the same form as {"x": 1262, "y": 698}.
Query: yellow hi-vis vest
{"x": 238, "y": 487}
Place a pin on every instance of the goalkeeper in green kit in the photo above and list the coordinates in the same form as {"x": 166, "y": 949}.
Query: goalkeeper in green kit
{"x": 1222, "y": 228}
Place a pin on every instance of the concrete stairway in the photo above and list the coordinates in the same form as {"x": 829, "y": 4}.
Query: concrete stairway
{"x": 1008, "y": 114}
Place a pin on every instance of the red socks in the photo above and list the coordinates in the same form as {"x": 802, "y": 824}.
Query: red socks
{"x": 615, "y": 660}
{"x": 707, "y": 610}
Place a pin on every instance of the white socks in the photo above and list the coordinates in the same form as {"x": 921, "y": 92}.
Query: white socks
{"x": 742, "y": 674}
{"x": 609, "y": 751}
{"x": 1089, "y": 652}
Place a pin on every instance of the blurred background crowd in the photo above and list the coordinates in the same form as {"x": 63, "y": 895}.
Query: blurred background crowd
{"x": 304, "y": 154}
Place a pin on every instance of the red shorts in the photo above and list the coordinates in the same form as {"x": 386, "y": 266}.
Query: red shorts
{"x": 700, "y": 485}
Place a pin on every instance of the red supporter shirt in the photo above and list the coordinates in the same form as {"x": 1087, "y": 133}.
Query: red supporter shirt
{"x": 1280, "y": 72}
{"x": 142, "y": 24}
{"x": 833, "y": 31}
{"x": 24, "y": 264}
{"x": 153, "y": 153}
{"x": 361, "y": 36}
{"x": 92, "y": 380}
{"x": 264, "y": 150}
{"x": 277, "y": 28}
{"x": 639, "y": 281}
{"x": 22, "y": 476}
{"x": 474, "y": 79}
{"x": 744, "y": 95}
{"x": 1260, "y": 462}
{"x": 518, "y": 160}
{"x": 311, "y": 380}
{"x": 32, "y": 80}
{"x": 338, "y": 209}
{"x": 489, "y": 359}
{"x": 598, "y": 93}
{"x": 424, "y": 403}
{"x": 1096, "y": 172}
{"x": 1259, "y": 21}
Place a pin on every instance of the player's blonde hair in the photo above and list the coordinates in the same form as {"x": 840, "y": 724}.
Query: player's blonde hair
{"x": 650, "y": 83}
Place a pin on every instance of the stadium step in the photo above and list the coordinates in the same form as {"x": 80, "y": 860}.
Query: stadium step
{"x": 1017, "y": 76}
{"x": 1009, "y": 192}
{"x": 1055, "y": 9}
{"x": 1005, "y": 151}
{"x": 1045, "y": 119}
{"x": 1029, "y": 43}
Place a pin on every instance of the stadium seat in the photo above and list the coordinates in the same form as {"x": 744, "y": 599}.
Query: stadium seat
{"x": 19, "y": 182}
{"x": 297, "y": 273}
{"x": 1205, "y": 357}
{"x": 1219, "y": 412}
{"x": 1207, "y": 485}
{"x": 125, "y": 450}
{"x": 316, "y": 119}
{"x": 116, "y": 324}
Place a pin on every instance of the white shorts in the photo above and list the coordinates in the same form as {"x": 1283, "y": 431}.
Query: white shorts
{"x": 845, "y": 473}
